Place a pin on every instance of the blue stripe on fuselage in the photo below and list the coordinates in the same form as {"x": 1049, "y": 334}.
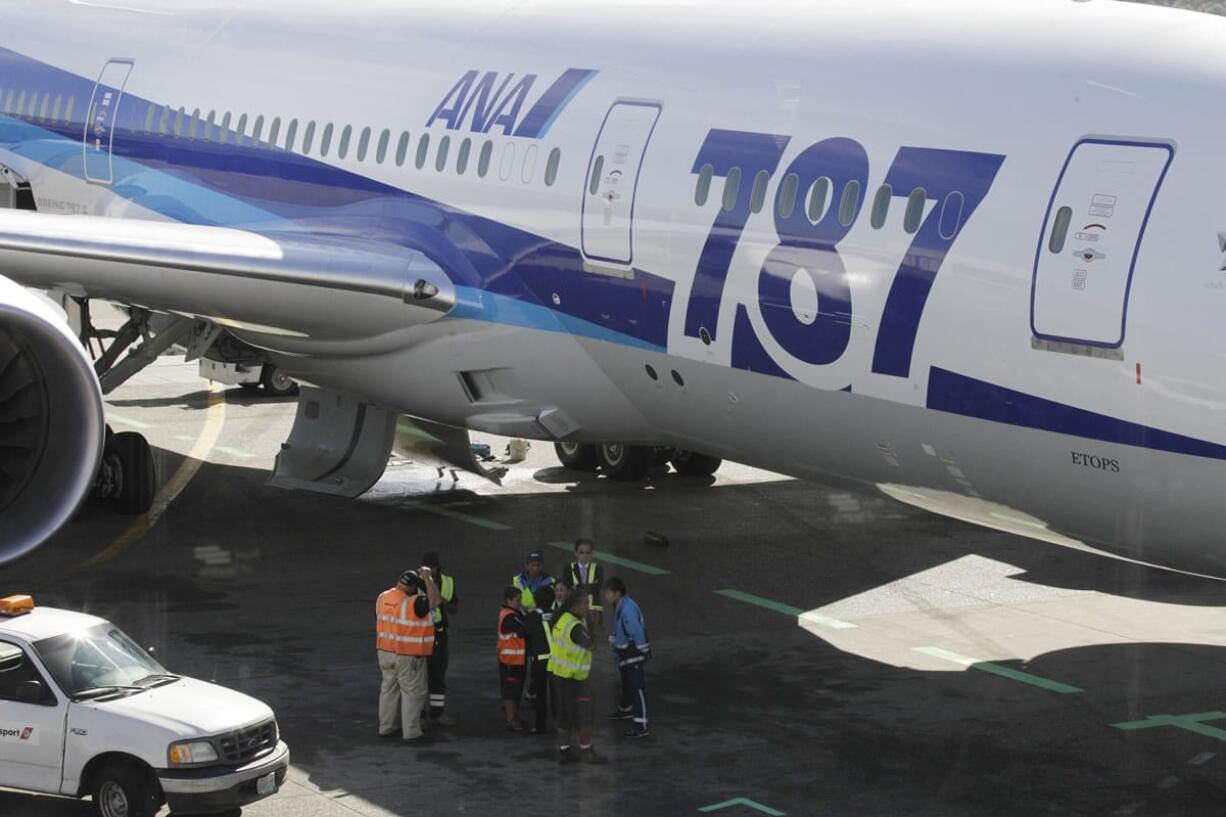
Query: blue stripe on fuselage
{"x": 215, "y": 181}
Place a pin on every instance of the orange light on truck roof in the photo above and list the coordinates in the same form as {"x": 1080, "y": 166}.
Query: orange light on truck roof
{"x": 16, "y": 605}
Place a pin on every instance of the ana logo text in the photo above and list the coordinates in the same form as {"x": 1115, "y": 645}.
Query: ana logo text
{"x": 481, "y": 101}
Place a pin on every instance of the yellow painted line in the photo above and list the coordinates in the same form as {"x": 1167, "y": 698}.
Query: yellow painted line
{"x": 214, "y": 419}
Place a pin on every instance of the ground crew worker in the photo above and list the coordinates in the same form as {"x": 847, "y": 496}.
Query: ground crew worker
{"x": 533, "y": 578}
{"x": 537, "y": 626}
{"x": 404, "y": 637}
{"x": 588, "y": 576}
{"x": 631, "y": 649}
{"x": 436, "y": 665}
{"x": 512, "y": 649}
{"x": 570, "y": 664}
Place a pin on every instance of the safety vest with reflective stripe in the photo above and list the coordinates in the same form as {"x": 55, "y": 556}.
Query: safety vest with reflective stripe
{"x": 447, "y": 591}
{"x": 527, "y": 601}
{"x": 512, "y": 648}
{"x": 547, "y": 626}
{"x": 566, "y": 658}
{"x": 398, "y": 628}
{"x": 589, "y": 578}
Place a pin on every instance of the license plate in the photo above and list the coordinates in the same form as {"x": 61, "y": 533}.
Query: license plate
{"x": 266, "y": 784}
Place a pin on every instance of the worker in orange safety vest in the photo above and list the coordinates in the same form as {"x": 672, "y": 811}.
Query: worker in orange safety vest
{"x": 512, "y": 656}
{"x": 404, "y": 638}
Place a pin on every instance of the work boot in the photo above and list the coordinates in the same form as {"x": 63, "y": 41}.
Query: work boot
{"x": 640, "y": 730}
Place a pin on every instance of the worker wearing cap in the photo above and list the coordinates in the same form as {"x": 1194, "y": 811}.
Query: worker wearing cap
{"x": 404, "y": 638}
{"x": 632, "y": 649}
{"x": 532, "y": 578}
{"x": 586, "y": 575}
{"x": 436, "y": 664}
{"x": 570, "y": 664}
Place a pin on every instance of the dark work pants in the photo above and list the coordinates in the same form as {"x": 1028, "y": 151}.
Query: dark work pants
{"x": 634, "y": 692}
{"x": 436, "y": 676}
{"x": 540, "y": 682}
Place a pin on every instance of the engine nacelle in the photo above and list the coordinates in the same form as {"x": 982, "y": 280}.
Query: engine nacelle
{"x": 52, "y": 426}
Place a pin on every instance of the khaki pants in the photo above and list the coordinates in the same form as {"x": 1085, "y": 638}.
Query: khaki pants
{"x": 404, "y": 688}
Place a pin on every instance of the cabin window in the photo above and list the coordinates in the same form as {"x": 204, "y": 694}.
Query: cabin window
{"x": 787, "y": 195}
{"x": 528, "y": 172}
{"x": 507, "y": 162}
{"x": 363, "y": 144}
{"x": 72, "y": 100}
{"x": 461, "y": 162}
{"x": 951, "y": 215}
{"x": 180, "y": 115}
{"x": 164, "y": 121}
{"x": 342, "y": 150}
{"x": 597, "y": 168}
{"x": 819, "y": 199}
{"x": 757, "y": 195}
{"x": 915, "y": 210}
{"x": 21, "y": 103}
{"x": 881, "y": 206}
{"x": 274, "y": 132}
{"x": 241, "y": 130}
{"x": 45, "y": 108}
{"x": 385, "y": 139}
{"x": 325, "y": 140}
{"x": 1059, "y": 231}
{"x": 8, "y": 102}
{"x": 308, "y": 138}
{"x": 483, "y": 161}
{"x": 402, "y": 149}
{"x": 551, "y": 166}
{"x": 291, "y": 135}
{"x": 732, "y": 188}
{"x": 33, "y": 105}
{"x": 149, "y": 115}
{"x": 702, "y": 191}
{"x": 423, "y": 150}
{"x": 850, "y": 203}
{"x": 257, "y": 133}
{"x": 209, "y": 125}
{"x": 440, "y": 159}
{"x": 58, "y": 106}
{"x": 193, "y": 125}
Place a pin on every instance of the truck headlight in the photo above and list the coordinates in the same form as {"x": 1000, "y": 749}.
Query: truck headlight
{"x": 191, "y": 753}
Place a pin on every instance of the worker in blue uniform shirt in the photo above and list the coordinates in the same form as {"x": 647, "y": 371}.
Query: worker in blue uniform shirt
{"x": 631, "y": 648}
{"x": 533, "y": 578}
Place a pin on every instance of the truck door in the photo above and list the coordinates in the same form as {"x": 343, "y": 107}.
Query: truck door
{"x": 100, "y": 124}
{"x": 1091, "y": 237}
{"x": 612, "y": 179}
{"x": 31, "y": 734}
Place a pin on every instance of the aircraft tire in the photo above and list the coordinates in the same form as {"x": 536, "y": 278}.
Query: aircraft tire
{"x": 624, "y": 463}
{"x": 277, "y": 383}
{"x": 138, "y": 476}
{"x": 689, "y": 464}
{"x": 576, "y": 456}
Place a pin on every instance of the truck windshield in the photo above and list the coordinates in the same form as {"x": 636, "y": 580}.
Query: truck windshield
{"x": 101, "y": 658}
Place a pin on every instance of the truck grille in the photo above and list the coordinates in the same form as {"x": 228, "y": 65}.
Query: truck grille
{"x": 244, "y": 745}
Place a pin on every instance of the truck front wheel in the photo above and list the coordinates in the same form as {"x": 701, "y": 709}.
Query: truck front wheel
{"x": 124, "y": 790}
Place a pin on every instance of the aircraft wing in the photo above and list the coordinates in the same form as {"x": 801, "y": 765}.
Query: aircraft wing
{"x": 281, "y": 283}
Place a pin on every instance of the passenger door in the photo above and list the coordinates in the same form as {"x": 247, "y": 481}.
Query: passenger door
{"x": 31, "y": 734}
{"x": 1091, "y": 238}
{"x": 612, "y": 181}
{"x": 99, "y": 137}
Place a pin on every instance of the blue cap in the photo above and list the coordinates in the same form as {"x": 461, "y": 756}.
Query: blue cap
{"x": 536, "y": 556}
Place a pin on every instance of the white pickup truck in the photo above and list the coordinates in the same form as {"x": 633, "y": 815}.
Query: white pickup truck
{"x": 84, "y": 711}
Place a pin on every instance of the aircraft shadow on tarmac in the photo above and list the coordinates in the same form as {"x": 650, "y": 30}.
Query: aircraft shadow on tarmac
{"x": 200, "y": 399}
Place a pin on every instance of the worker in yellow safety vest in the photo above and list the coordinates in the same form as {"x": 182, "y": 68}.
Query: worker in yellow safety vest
{"x": 588, "y": 576}
{"x": 436, "y": 665}
{"x": 404, "y": 638}
{"x": 570, "y": 664}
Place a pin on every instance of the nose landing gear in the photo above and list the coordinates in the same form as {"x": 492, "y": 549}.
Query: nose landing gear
{"x": 127, "y": 477}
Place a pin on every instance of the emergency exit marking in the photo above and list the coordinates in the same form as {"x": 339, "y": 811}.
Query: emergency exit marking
{"x": 742, "y": 801}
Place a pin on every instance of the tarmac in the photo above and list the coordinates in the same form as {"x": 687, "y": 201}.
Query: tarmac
{"x": 817, "y": 652}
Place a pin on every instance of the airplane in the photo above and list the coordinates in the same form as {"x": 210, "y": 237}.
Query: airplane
{"x": 970, "y": 258}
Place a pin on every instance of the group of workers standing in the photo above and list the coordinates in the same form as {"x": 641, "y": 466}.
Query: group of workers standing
{"x": 546, "y": 635}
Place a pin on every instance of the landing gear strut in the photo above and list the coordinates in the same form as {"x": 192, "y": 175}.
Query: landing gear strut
{"x": 630, "y": 463}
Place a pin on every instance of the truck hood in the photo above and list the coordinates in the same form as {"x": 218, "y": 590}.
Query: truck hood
{"x": 190, "y": 708}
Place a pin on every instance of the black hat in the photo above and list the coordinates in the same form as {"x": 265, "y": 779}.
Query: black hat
{"x": 410, "y": 579}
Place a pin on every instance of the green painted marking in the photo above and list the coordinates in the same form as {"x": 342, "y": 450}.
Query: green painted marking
{"x": 126, "y": 421}
{"x": 650, "y": 570}
{"x": 750, "y": 598}
{"x": 997, "y": 669}
{"x": 1190, "y": 723}
{"x": 442, "y": 510}
{"x": 742, "y": 801}
{"x": 414, "y": 431}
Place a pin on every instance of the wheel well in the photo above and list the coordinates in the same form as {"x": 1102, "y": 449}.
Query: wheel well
{"x": 106, "y": 759}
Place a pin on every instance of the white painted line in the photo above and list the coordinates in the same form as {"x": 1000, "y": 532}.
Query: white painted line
{"x": 813, "y": 617}
{"x": 946, "y": 655}
{"x": 126, "y": 421}
{"x": 1202, "y": 758}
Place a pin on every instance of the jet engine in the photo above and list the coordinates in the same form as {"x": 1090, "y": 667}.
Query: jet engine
{"x": 52, "y": 427}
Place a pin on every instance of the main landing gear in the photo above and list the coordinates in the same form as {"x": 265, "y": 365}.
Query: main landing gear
{"x": 631, "y": 463}
{"x": 127, "y": 477}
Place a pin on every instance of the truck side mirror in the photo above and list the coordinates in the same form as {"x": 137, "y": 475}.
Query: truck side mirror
{"x": 31, "y": 692}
